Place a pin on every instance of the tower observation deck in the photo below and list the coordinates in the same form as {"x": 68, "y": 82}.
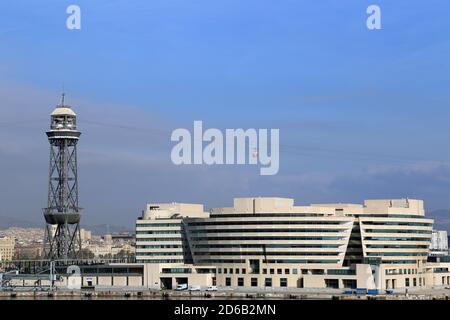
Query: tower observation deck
{"x": 62, "y": 215}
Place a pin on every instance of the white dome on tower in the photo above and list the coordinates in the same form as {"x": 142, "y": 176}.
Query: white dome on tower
{"x": 63, "y": 111}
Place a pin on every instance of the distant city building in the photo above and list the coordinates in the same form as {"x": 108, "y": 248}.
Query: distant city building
{"x": 85, "y": 235}
{"x": 110, "y": 246}
{"x": 123, "y": 236}
{"x": 7, "y": 246}
{"x": 100, "y": 250}
{"x": 31, "y": 251}
{"x": 108, "y": 238}
{"x": 269, "y": 242}
{"x": 439, "y": 243}
{"x": 124, "y": 249}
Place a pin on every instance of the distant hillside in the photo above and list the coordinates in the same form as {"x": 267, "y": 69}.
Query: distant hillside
{"x": 7, "y": 222}
{"x": 441, "y": 219}
{"x": 102, "y": 229}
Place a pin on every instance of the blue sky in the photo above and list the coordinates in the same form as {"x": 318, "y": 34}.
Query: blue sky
{"x": 362, "y": 114}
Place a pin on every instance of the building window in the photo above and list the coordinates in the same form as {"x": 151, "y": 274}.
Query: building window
{"x": 254, "y": 282}
{"x": 240, "y": 282}
{"x": 279, "y": 271}
{"x": 332, "y": 283}
{"x": 268, "y": 282}
{"x": 264, "y": 271}
{"x": 237, "y": 271}
{"x": 254, "y": 266}
{"x": 231, "y": 270}
{"x": 349, "y": 283}
{"x": 272, "y": 271}
{"x": 283, "y": 282}
{"x": 225, "y": 270}
{"x": 407, "y": 282}
{"x": 286, "y": 271}
{"x": 244, "y": 271}
{"x": 220, "y": 270}
{"x": 228, "y": 282}
{"x": 415, "y": 282}
{"x": 294, "y": 271}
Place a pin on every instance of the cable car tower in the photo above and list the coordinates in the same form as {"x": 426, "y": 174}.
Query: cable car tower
{"x": 62, "y": 215}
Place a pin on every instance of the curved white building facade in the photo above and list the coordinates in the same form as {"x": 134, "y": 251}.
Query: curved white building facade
{"x": 270, "y": 242}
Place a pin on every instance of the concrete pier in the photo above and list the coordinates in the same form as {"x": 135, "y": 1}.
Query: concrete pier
{"x": 440, "y": 294}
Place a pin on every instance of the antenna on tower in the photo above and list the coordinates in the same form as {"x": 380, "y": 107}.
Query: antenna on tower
{"x": 63, "y": 95}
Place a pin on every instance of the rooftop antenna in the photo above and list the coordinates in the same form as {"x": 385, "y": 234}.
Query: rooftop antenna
{"x": 63, "y": 95}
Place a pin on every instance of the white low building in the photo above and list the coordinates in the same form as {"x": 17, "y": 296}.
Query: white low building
{"x": 439, "y": 243}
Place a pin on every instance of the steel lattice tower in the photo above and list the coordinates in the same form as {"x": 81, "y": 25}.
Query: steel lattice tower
{"x": 62, "y": 215}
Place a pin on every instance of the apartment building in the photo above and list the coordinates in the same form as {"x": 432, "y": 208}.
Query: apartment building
{"x": 7, "y": 248}
{"x": 272, "y": 243}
